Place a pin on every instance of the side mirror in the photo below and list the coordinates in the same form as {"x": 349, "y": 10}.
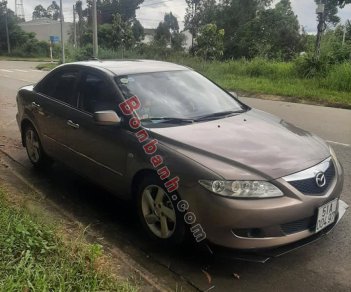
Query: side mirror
{"x": 106, "y": 118}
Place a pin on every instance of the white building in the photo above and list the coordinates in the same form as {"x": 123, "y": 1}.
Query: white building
{"x": 46, "y": 27}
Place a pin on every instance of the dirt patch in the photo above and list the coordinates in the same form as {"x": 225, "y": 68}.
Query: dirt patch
{"x": 8, "y": 144}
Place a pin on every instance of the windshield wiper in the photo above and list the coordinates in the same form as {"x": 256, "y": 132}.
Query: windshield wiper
{"x": 168, "y": 120}
{"x": 219, "y": 114}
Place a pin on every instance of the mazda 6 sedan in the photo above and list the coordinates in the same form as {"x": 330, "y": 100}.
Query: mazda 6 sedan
{"x": 194, "y": 159}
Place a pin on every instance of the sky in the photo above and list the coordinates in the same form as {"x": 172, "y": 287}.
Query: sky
{"x": 151, "y": 12}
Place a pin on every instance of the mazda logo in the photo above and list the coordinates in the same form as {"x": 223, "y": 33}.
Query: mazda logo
{"x": 320, "y": 179}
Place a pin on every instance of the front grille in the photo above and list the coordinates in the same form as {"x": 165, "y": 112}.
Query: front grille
{"x": 309, "y": 186}
{"x": 299, "y": 225}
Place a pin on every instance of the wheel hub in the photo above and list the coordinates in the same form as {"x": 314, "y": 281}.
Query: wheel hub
{"x": 158, "y": 211}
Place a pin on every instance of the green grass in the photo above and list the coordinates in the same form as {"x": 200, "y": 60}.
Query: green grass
{"x": 295, "y": 89}
{"x": 279, "y": 78}
{"x": 34, "y": 257}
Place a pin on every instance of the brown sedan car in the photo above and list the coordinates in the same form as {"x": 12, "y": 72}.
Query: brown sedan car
{"x": 193, "y": 157}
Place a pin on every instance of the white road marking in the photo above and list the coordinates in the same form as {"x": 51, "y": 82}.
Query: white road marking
{"x": 19, "y": 79}
{"x": 4, "y": 70}
{"x": 36, "y": 70}
{"x": 9, "y": 123}
{"x": 20, "y": 70}
{"x": 338, "y": 143}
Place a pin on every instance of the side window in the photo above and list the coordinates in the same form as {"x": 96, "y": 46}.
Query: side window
{"x": 95, "y": 94}
{"x": 61, "y": 86}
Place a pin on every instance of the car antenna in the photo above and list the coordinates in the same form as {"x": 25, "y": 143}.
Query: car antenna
{"x": 94, "y": 59}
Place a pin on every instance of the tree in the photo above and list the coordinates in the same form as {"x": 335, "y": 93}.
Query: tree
{"x": 177, "y": 41}
{"x": 54, "y": 10}
{"x": 81, "y": 24}
{"x": 199, "y": 13}
{"x": 138, "y": 30}
{"x": 330, "y": 11}
{"x": 171, "y": 22}
{"x": 273, "y": 33}
{"x": 340, "y": 31}
{"x": 210, "y": 42}
{"x": 125, "y": 8}
{"x": 233, "y": 15}
{"x": 105, "y": 34}
{"x": 328, "y": 17}
{"x": 40, "y": 12}
{"x": 122, "y": 34}
{"x": 22, "y": 43}
{"x": 167, "y": 32}
{"x": 162, "y": 34}
{"x": 342, "y": 3}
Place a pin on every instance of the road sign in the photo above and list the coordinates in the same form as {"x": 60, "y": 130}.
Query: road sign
{"x": 54, "y": 39}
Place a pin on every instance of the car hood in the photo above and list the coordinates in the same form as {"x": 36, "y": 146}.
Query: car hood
{"x": 254, "y": 142}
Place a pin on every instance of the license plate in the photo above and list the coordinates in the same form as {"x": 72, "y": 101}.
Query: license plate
{"x": 326, "y": 215}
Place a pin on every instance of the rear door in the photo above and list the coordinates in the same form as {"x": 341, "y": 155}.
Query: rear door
{"x": 56, "y": 100}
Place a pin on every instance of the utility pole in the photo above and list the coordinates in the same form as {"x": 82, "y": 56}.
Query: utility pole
{"x": 344, "y": 34}
{"x": 74, "y": 27}
{"x": 194, "y": 4}
{"x": 7, "y": 30}
{"x": 320, "y": 28}
{"x": 95, "y": 38}
{"x": 62, "y": 41}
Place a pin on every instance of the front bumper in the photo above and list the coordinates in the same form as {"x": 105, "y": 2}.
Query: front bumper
{"x": 263, "y": 255}
{"x": 262, "y": 224}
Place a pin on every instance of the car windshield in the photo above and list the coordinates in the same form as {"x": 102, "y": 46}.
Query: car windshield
{"x": 176, "y": 96}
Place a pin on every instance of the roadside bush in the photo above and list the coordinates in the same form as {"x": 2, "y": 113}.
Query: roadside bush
{"x": 339, "y": 78}
{"x": 338, "y": 53}
{"x": 154, "y": 50}
{"x": 308, "y": 66}
{"x": 32, "y": 48}
{"x": 78, "y": 54}
{"x": 258, "y": 67}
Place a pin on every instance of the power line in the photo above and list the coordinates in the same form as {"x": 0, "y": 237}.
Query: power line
{"x": 154, "y": 3}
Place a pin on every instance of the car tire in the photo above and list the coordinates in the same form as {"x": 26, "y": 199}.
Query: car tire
{"x": 157, "y": 213}
{"x": 35, "y": 151}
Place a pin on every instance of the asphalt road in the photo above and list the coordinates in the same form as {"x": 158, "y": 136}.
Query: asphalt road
{"x": 322, "y": 266}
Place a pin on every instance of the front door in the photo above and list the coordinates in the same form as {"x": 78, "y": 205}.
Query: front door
{"x": 101, "y": 150}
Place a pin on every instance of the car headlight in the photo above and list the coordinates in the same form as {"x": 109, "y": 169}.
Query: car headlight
{"x": 242, "y": 189}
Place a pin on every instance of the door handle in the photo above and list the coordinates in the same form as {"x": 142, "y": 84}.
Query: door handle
{"x": 73, "y": 125}
{"x": 35, "y": 105}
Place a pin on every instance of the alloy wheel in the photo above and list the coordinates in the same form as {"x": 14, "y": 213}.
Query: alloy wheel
{"x": 32, "y": 145}
{"x": 158, "y": 211}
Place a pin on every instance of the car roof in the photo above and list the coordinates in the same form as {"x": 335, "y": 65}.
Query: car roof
{"x": 125, "y": 67}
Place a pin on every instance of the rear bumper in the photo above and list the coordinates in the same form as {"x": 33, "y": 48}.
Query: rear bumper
{"x": 263, "y": 255}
